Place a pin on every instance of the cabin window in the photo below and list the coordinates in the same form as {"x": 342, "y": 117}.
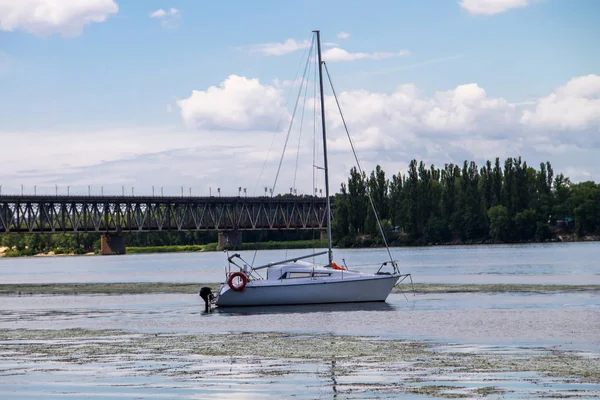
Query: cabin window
{"x": 295, "y": 275}
{"x": 321, "y": 274}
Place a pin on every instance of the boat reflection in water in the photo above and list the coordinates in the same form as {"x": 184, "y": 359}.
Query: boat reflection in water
{"x": 305, "y": 308}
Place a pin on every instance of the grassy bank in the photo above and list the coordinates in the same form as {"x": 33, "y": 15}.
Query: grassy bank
{"x": 19, "y": 289}
{"x": 172, "y": 249}
{"x": 296, "y": 244}
{"x": 272, "y": 245}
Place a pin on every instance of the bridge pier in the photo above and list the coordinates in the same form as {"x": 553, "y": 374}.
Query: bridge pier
{"x": 112, "y": 244}
{"x": 229, "y": 239}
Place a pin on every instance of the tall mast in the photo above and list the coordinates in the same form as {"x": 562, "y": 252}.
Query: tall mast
{"x": 326, "y": 166}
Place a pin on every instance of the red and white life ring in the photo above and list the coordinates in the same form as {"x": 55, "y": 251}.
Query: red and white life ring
{"x": 240, "y": 286}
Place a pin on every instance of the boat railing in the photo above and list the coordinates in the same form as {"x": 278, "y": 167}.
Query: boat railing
{"x": 395, "y": 270}
{"x": 245, "y": 268}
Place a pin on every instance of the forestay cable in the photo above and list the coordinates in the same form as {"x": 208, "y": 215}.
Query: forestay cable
{"x": 293, "y": 116}
{"x": 300, "y": 130}
{"x": 360, "y": 170}
{"x": 283, "y": 111}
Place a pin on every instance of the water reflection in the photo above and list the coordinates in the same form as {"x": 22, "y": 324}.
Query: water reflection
{"x": 305, "y": 308}
{"x": 333, "y": 379}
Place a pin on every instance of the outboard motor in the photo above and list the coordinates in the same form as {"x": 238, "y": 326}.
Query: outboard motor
{"x": 207, "y": 295}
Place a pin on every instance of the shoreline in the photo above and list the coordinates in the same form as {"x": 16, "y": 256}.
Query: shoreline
{"x": 125, "y": 288}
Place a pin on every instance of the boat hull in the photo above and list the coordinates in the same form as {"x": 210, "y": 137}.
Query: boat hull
{"x": 376, "y": 288}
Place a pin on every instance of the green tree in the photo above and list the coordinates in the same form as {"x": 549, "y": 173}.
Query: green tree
{"x": 499, "y": 223}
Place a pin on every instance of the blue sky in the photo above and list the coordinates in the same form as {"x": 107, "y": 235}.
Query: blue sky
{"x": 112, "y": 69}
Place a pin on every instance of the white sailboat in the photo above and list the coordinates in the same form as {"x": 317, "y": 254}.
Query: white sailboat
{"x": 297, "y": 281}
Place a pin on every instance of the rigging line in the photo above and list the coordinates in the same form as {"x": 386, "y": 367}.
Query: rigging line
{"x": 300, "y": 133}
{"x": 292, "y": 121}
{"x": 360, "y": 168}
{"x": 283, "y": 111}
{"x": 254, "y": 257}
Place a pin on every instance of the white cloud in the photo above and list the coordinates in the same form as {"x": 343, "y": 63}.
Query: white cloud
{"x": 338, "y": 54}
{"x": 574, "y": 106}
{"x": 169, "y": 18}
{"x": 489, "y": 7}
{"x": 279, "y": 49}
{"x": 238, "y": 103}
{"x": 160, "y": 13}
{"x": 406, "y": 114}
{"x": 332, "y": 53}
{"x": 47, "y": 17}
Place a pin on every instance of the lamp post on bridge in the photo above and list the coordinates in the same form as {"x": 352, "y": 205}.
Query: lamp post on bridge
{"x": 132, "y": 192}
{"x": 219, "y": 191}
{"x": 152, "y": 191}
{"x": 21, "y": 190}
{"x": 190, "y": 192}
{"x": 245, "y": 194}
{"x": 68, "y": 190}
{"x": 56, "y": 190}
{"x": 34, "y": 190}
{"x": 102, "y": 191}
{"x": 123, "y": 190}
{"x": 182, "y": 191}
{"x": 240, "y": 191}
{"x": 89, "y": 191}
{"x": 161, "y": 192}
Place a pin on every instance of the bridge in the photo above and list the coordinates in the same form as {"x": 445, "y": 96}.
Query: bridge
{"x": 115, "y": 215}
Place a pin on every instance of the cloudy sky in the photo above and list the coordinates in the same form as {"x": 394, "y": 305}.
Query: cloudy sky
{"x": 197, "y": 94}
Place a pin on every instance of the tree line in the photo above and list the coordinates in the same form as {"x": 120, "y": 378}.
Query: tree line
{"x": 510, "y": 202}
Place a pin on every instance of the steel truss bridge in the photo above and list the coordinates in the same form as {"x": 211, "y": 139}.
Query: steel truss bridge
{"x": 120, "y": 214}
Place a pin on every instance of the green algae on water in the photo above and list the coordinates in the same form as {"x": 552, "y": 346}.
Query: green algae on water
{"x": 360, "y": 364}
{"x": 23, "y": 289}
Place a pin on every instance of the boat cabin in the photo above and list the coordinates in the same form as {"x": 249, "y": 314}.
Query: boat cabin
{"x": 298, "y": 270}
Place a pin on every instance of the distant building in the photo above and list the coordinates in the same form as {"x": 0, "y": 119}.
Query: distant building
{"x": 565, "y": 223}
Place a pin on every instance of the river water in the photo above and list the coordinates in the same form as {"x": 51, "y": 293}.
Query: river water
{"x": 556, "y": 263}
{"x": 526, "y": 318}
{"x": 569, "y": 320}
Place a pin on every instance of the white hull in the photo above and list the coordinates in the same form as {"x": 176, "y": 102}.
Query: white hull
{"x": 266, "y": 293}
